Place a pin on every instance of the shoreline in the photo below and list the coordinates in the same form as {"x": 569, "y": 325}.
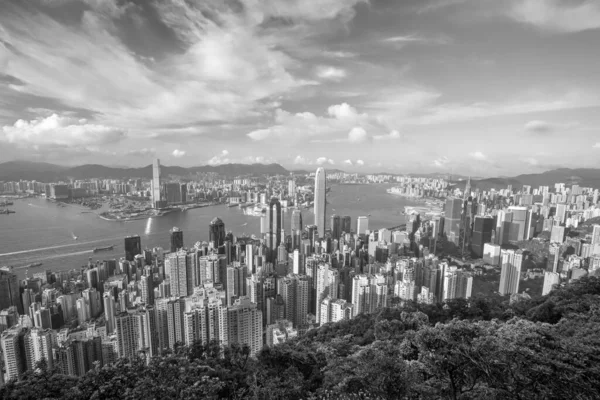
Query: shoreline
{"x": 161, "y": 213}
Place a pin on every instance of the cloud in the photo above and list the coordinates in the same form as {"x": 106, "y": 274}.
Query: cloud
{"x": 413, "y": 38}
{"x": 325, "y": 160}
{"x": 538, "y": 127}
{"x": 478, "y": 156}
{"x": 60, "y": 131}
{"x": 341, "y": 111}
{"x": 145, "y": 152}
{"x": 299, "y": 160}
{"x": 357, "y": 135}
{"x": 441, "y": 162}
{"x": 331, "y": 73}
{"x": 530, "y": 161}
{"x": 178, "y": 153}
{"x": 596, "y": 145}
{"x": 348, "y": 162}
{"x": 557, "y": 15}
{"x": 360, "y": 162}
{"x": 390, "y": 136}
{"x": 221, "y": 158}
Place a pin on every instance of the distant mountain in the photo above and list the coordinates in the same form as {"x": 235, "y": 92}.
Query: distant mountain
{"x": 44, "y": 172}
{"x": 585, "y": 177}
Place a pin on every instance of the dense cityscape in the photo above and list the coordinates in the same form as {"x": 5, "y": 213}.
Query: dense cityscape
{"x": 265, "y": 290}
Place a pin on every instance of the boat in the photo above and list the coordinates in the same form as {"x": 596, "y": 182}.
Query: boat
{"x": 6, "y": 203}
{"x": 99, "y": 249}
{"x": 34, "y": 265}
{"x": 7, "y": 211}
{"x": 74, "y": 237}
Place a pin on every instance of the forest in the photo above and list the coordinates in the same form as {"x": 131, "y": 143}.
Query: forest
{"x": 480, "y": 348}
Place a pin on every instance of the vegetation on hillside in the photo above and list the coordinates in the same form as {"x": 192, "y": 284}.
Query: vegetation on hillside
{"x": 481, "y": 348}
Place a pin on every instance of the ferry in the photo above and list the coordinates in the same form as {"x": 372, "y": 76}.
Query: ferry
{"x": 99, "y": 249}
{"x": 34, "y": 265}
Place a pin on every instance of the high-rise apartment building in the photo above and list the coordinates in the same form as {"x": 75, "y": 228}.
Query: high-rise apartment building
{"x": 369, "y": 293}
{"x": 511, "y": 271}
{"x": 320, "y": 192}
{"x": 294, "y": 289}
{"x": 326, "y": 282}
{"x": 245, "y": 325}
{"x": 551, "y": 280}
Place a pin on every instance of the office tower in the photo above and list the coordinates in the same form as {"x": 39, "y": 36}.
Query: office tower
{"x": 147, "y": 289}
{"x": 9, "y": 291}
{"x": 452, "y": 219}
{"x": 467, "y": 192}
{"x": 274, "y": 226}
{"x": 157, "y": 200}
{"x": 109, "y": 312}
{"x": 294, "y": 289}
{"x": 176, "y": 239}
{"x": 362, "y": 225}
{"x": 482, "y": 234}
{"x": 244, "y": 325}
{"x": 296, "y": 229}
{"x": 326, "y": 283}
{"x": 518, "y": 227}
{"x": 346, "y": 224}
{"x": 133, "y": 247}
{"x": 336, "y": 226}
{"x": 320, "y": 192}
{"x": 557, "y": 235}
{"x": 13, "y": 352}
{"x": 217, "y": 235}
{"x": 551, "y": 280}
{"x": 511, "y": 271}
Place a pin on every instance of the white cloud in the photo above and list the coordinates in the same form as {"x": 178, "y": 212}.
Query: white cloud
{"x": 299, "y": 160}
{"x": 358, "y": 135}
{"x": 441, "y": 162}
{"x": 178, "y": 153}
{"x": 341, "y": 111}
{"x": 478, "y": 156}
{"x": 596, "y": 145}
{"x": 60, "y": 131}
{"x": 530, "y": 161}
{"x": 221, "y": 158}
{"x": 145, "y": 152}
{"x": 331, "y": 73}
{"x": 558, "y": 15}
{"x": 360, "y": 162}
{"x": 348, "y": 162}
{"x": 325, "y": 160}
{"x": 390, "y": 136}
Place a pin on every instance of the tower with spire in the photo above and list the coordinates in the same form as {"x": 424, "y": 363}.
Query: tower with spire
{"x": 467, "y": 189}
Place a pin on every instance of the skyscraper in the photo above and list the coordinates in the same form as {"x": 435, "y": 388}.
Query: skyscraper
{"x": 452, "y": 217}
{"x": 320, "y": 188}
{"x": 336, "y": 226}
{"x": 274, "y": 226}
{"x": 176, "y": 239}
{"x": 157, "y": 201}
{"x": 217, "y": 235}
{"x": 296, "y": 228}
{"x": 133, "y": 247}
{"x": 9, "y": 291}
{"x": 362, "y": 225}
{"x": 346, "y": 224}
{"x": 511, "y": 271}
{"x": 245, "y": 325}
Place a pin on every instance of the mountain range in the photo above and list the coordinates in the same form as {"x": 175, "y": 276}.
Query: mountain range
{"x": 44, "y": 172}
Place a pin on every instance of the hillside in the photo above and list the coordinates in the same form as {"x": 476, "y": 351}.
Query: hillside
{"x": 44, "y": 172}
{"x": 481, "y": 348}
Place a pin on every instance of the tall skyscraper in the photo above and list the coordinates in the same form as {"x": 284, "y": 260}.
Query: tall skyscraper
{"x": 217, "y": 235}
{"x": 482, "y": 234}
{"x": 9, "y": 291}
{"x": 511, "y": 271}
{"x": 147, "y": 289}
{"x": 176, "y": 239}
{"x": 362, "y": 225}
{"x": 320, "y": 189}
{"x": 274, "y": 226}
{"x": 336, "y": 226}
{"x": 157, "y": 200}
{"x": 109, "y": 312}
{"x": 133, "y": 247}
{"x": 346, "y": 224}
{"x": 452, "y": 218}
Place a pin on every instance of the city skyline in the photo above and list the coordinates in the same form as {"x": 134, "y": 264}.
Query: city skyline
{"x": 461, "y": 85}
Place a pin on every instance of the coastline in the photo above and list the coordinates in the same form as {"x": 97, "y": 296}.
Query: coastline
{"x": 158, "y": 215}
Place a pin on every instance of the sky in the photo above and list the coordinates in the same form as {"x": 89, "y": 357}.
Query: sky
{"x": 478, "y": 87}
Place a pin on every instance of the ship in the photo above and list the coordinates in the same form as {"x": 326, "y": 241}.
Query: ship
{"x": 34, "y": 265}
{"x": 7, "y": 211}
{"x": 99, "y": 249}
{"x": 6, "y": 203}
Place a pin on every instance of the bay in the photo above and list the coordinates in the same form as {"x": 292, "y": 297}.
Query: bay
{"x": 42, "y": 231}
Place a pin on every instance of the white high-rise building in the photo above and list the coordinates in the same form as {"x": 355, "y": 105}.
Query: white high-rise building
{"x": 550, "y": 280}
{"x": 362, "y": 225}
{"x": 511, "y": 271}
{"x": 320, "y": 188}
{"x": 156, "y": 189}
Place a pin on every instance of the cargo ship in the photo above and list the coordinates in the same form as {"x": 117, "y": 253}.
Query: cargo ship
{"x": 99, "y": 249}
